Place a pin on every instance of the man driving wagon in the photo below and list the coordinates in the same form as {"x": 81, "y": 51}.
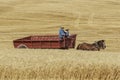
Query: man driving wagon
{"x": 64, "y": 36}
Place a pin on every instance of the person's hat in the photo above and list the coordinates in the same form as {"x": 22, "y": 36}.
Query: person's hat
{"x": 67, "y": 29}
{"x": 62, "y": 27}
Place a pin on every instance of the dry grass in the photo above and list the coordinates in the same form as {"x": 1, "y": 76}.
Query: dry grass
{"x": 61, "y": 72}
{"x": 91, "y": 20}
{"x": 58, "y": 65}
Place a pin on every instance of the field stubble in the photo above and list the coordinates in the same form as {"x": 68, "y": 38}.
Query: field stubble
{"x": 90, "y": 20}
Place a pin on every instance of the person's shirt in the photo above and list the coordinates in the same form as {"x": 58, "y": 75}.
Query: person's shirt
{"x": 61, "y": 33}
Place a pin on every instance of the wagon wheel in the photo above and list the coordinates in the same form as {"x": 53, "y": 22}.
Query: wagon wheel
{"x": 22, "y": 46}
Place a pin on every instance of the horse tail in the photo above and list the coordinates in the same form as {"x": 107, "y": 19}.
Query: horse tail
{"x": 78, "y": 47}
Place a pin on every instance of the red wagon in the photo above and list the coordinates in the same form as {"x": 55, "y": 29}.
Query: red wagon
{"x": 45, "y": 42}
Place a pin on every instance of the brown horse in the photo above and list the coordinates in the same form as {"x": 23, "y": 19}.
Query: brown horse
{"x": 101, "y": 44}
{"x": 87, "y": 46}
{"x": 96, "y": 46}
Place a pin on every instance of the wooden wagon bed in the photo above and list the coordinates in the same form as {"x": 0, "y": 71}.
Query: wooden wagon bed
{"x": 45, "y": 42}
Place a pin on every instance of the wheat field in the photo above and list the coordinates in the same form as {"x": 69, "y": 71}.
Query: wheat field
{"x": 90, "y": 20}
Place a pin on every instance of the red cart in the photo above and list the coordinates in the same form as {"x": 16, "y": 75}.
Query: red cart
{"x": 45, "y": 42}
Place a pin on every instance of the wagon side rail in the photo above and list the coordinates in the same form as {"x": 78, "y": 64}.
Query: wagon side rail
{"x": 45, "y": 42}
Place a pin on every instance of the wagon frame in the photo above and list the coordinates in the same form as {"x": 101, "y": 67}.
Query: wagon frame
{"x": 45, "y": 42}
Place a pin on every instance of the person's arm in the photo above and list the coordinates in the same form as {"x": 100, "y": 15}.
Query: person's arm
{"x": 62, "y": 33}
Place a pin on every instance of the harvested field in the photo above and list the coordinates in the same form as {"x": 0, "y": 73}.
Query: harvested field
{"x": 90, "y": 20}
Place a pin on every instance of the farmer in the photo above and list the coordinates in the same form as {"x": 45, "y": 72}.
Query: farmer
{"x": 67, "y": 33}
{"x": 61, "y": 33}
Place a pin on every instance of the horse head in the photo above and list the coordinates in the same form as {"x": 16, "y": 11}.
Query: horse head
{"x": 101, "y": 44}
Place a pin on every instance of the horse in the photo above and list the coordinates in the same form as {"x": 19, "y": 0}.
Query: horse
{"x": 87, "y": 46}
{"x": 96, "y": 46}
{"x": 101, "y": 44}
